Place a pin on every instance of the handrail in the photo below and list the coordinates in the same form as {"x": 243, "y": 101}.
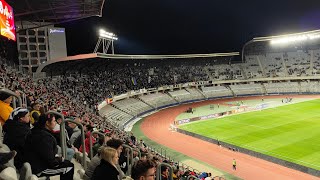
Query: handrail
{"x": 184, "y": 166}
{"x": 11, "y": 93}
{"x": 90, "y": 141}
{"x": 84, "y": 162}
{"x": 129, "y": 159}
{"x": 158, "y": 177}
{"x": 62, "y": 133}
{"x": 139, "y": 153}
{"x": 24, "y": 98}
{"x": 191, "y": 176}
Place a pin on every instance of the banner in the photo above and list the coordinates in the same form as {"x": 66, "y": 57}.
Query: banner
{"x": 7, "y": 26}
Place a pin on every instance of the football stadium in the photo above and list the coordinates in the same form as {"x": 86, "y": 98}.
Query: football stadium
{"x": 194, "y": 113}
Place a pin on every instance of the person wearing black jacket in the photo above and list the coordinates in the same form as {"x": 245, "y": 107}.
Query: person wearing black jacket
{"x": 41, "y": 149}
{"x": 107, "y": 167}
{"x": 16, "y": 130}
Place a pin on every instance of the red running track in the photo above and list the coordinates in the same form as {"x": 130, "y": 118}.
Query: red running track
{"x": 155, "y": 127}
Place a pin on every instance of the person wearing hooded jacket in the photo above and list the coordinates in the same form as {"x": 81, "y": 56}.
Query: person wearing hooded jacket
{"x": 41, "y": 150}
{"x": 5, "y": 108}
{"x": 16, "y": 130}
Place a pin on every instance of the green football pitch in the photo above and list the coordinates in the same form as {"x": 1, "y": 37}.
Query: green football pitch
{"x": 290, "y": 132}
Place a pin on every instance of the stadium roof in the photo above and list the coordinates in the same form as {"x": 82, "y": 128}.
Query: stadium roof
{"x": 55, "y": 11}
{"x": 134, "y": 57}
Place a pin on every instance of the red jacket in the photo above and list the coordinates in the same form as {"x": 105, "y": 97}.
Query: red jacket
{"x": 87, "y": 144}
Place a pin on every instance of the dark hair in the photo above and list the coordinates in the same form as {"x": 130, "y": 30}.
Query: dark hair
{"x": 89, "y": 127}
{"x": 101, "y": 140}
{"x": 43, "y": 119}
{"x": 163, "y": 168}
{"x": 144, "y": 154}
{"x": 114, "y": 143}
{"x": 4, "y": 96}
{"x": 141, "y": 168}
{"x": 34, "y": 104}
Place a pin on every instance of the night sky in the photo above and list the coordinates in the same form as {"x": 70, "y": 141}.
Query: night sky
{"x": 191, "y": 26}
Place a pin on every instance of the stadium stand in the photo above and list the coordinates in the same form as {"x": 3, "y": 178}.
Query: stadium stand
{"x": 132, "y": 106}
{"x": 282, "y": 88}
{"x": 310, "y": 87}
{"x": 252, "y": 67}
{"x": 157, "y": 99}
{"x": 216, "y": 91}
{"x": 181, "y": 95}
{"x": 247, "y": 89}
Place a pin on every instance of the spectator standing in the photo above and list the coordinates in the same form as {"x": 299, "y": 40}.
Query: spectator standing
{"x": 35, "y": 113}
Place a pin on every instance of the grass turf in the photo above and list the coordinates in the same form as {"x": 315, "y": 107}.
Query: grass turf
{"x": 290, "y": 132}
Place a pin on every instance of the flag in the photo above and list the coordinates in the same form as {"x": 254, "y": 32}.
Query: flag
{"x": 109, "y": 99}
{"x": 134, "y": 81}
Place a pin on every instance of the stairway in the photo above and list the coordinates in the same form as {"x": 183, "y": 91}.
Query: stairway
{"x": 203, "y": 94}
{"x": 244, "y": 73}
{"x": 121, "y": 109}
{"x": 145, "y": 102}
{"x": 261, "y": 68}
{"x": 233, "y": 94}
{"x": 173, "y": 98}
{"x": 284, "y": 65}
{"x": 264, "y": 89}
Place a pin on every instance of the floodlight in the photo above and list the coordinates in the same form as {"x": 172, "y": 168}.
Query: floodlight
{"x": 106, "y": 39}
{"x": 107, "y": 35}
{"x": 289, "y": 39}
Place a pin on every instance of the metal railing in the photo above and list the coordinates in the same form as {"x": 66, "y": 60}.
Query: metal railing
{"x": 24, "y": 99}
{"x": 11, "y": 93}
{"x": 139, "y": 153}
{"x": 90, "y": 141}
{"x": 129, "y": 158}
{"x": 158, "y": 177}
{"x": 191, "y": 176}
{"x": 163, "y": 153}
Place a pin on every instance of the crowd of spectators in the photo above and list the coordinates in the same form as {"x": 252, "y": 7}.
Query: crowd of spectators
{"x": 33, "y": 136}
{"x": 105, "y": 78}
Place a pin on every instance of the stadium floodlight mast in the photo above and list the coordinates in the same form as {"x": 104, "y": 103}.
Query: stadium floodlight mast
{"x": 106, "y": 39}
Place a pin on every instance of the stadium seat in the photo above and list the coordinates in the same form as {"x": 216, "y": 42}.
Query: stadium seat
{"x": 8, "y": 173}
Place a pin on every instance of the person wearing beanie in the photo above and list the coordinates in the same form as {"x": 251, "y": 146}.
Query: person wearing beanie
{"x": 5, "y": 108}
{"x": 16, "y": 130}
